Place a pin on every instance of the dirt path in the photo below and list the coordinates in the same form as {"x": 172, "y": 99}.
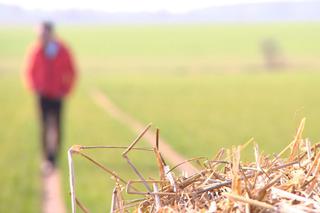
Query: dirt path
{"x": 52, "y": 199}
{"x": 172, "y": 156}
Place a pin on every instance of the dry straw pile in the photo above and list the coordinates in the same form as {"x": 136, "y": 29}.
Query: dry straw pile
{"x": 223, "y": 184}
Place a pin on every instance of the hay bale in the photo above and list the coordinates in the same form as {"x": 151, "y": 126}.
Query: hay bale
{"x": 225, "y": 184}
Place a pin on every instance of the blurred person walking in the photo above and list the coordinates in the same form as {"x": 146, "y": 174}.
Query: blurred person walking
{"x": 50, "y": 74}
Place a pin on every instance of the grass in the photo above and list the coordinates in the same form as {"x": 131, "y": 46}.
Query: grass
{"x": 19, "y": 161}
{"x": 204, "y": 86}
{"x": 204, "y": 112}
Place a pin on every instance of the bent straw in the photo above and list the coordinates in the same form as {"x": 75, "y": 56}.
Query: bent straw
{"x": 137, "y": 139}
{"x": 71, "y": 181}
{"x": 249, "y": 201}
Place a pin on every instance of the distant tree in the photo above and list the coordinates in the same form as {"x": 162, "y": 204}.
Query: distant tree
{"x": 271, "y": 54}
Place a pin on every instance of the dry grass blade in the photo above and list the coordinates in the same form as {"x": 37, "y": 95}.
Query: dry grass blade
{"x": 138, "y": 173}
{"x": 114, "y": 200}
{"x": 71, "y": 180}
{"x": 136, "y": 140}
{"x": 103, "y": 167}
{"x": 81, "y": 206}
{"x": 186, "y": 161}
{"x": 249, "y": 201}
{"x": 161, "y": 164}
{"x": 235, "y": 185}
{"x": 297, "y": 141}
{"x": 156, "y": 197}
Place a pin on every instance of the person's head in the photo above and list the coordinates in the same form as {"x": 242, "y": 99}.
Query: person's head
{"x": 46, "y": 31}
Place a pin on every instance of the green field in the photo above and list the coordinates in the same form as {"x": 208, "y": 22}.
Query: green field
{"x": 204, "y": 86}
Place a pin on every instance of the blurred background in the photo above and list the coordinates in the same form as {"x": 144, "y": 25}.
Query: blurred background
{"x": 209, "y": 74}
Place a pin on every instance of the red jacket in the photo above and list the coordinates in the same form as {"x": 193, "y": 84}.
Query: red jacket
{"x": 52, "y": 78}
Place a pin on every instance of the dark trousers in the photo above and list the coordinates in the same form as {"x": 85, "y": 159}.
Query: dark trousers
{"x": 50, "y": 117}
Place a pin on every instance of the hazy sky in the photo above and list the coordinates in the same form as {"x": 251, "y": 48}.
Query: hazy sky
{"x": 175, "y": 6}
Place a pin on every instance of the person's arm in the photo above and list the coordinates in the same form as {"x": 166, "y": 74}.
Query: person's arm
{"x": 29, "y": 73}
